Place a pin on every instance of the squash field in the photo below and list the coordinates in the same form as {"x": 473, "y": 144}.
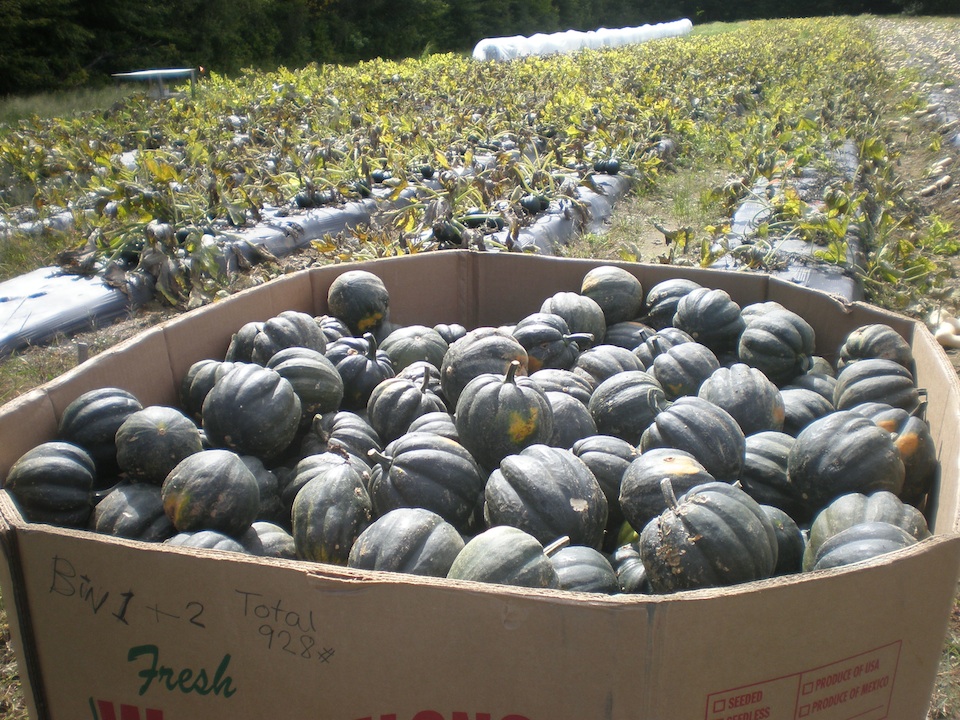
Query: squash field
{"x": 159, "y": 186}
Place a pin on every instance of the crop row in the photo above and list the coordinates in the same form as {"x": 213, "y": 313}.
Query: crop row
{"x": 171, "y": 175}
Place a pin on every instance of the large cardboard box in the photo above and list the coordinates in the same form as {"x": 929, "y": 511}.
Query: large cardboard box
{"x": 113, "y": 629}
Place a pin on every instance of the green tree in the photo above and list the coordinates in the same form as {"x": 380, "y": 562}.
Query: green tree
{"x": 43, "y": 46}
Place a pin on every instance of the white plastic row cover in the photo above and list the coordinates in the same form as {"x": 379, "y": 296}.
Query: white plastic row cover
{"x": 508, "y": 48}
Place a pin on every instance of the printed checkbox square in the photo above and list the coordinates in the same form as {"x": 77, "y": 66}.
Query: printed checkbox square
{"x": 719, "y": 705}
{"x": 807, "y": 688}
{"x": 804, "y": 710}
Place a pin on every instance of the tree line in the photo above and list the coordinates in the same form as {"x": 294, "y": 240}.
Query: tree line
{"x": 58, "y": 44}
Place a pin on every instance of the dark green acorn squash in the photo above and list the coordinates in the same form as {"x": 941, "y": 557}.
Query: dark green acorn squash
{"x": 430, "y": 472}
{"x": 482, "y": 351}
{"x": 710, "y": 317}
{"x": 253, "y": 411}
{"x": 53, "y": 483}
{"x": 583, "y": 314}
{"x": 641, "y": 495}
{"x": 360, "y": 299}
{"x": 211, "y": 490}
{"x": 779, "y": 343}
{"x": 841, "y": 453}
{"x": 150, "y": 443}
{"x": 547, "y": 492}
{"x": 748, "y": 395}
{"x": 706, "y": 431}
{"x": 498, "y": 415}
{"x": 328, "y": 515}
{"x": 505, "y": 555}
{"x": 92, "y": 420}
{"x": 571, "y": 420}
{"x": 764, "y": 474}
{"x": 712, "y": 536}
{"x": 583, "y": 569}
{"x": 314, "y": 378}
{"x": 407, "y": 540}
{"x": 618, "y": 292}
{"x": 625, "y": 404}
{"x": 856, "y": 508}
{"x": 414, "y": 343}
{"x": 134, "y": 511}
{"x": 682, "y": 369}
{"x": 662, "y": 301}
{"x": 287, "y": 330}
{"x": 859, "y": 543}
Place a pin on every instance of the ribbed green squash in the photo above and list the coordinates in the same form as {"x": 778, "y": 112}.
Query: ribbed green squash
{"x": 912, "y": 437}
{"x": 856, "y": 508}
{"x": 583, "y": 569}
{"x": 407, "y": 540}
{"x": 710, "y": 317}
{"x": 801, "y": 407}
{"x": 583, "y": 314}
{"x": 150, "y": 442}
{"x": 790, "y": 541}
{"x": 631, "y": 574}
{"x": 207, "y": 540}
{"x": 618, "y": 293}
{"x": 362, "y": 366}
{"x": 498, "y": 415}
{"x": 53, "y": 483}
{"x": 748, "y": 395}
{"x": 662, "y": 301}
{"x": 628, "y": 334}
{"x": 641, "y": 495}
{"x": 341, "y": 431}
{"x": 861, "y": 542}
{"x": 288, "y": 329}
{"x": 211, "y": 490}
{"x": 360, "y": 299}
{"x": 314, "y": 467}
{"x": 430, "y": 472}
{"x": 134, "y": 511}
{"x": 714, "y": 535}
{"x": 481, "y": 351}
{"x": 197, "y": 382}
{"x": 602, "y": 362}
{"x": 414, "y": 343}
{"x": 397, "y": 402}
{"x": 877, "y": 340}
{"x": 876, "y": 380}
{"x": 625, "y": 404}
{"x": 328, "y": 515}
{"x": 549, "y": 342}
{"x": 658, "y": 343}
{"x": 313, "y": 377}
{"x": 764, "y": 474}
{"x": 241, "y": 343}
{"x": 682, "y": 369}
{"x": 608, "y": 458}
{"x": 841, "y": 453}
{"x": 704, "y": 430}
{"x": 565, "y": 381}
{"x": 571, "y": 420}
{"x": 267, "y": 539}
{"x": 91, "y": 421}
{"x": 548, "y": 492}
{"x": 253, "y": 411}
{"x": 505, "y": 555}
{"x": 779, "y": 343}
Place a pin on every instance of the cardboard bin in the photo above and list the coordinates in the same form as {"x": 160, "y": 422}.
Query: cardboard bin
{"x": 115, "y": 630}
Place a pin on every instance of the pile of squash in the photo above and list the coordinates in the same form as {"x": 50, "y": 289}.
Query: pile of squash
{"x": 615, "y": 441}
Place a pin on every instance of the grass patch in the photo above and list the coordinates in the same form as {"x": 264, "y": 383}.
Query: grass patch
{"x": 68, "y": 103}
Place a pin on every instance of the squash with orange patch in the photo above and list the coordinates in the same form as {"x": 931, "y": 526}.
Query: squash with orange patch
{"x": 499, "y": 415}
